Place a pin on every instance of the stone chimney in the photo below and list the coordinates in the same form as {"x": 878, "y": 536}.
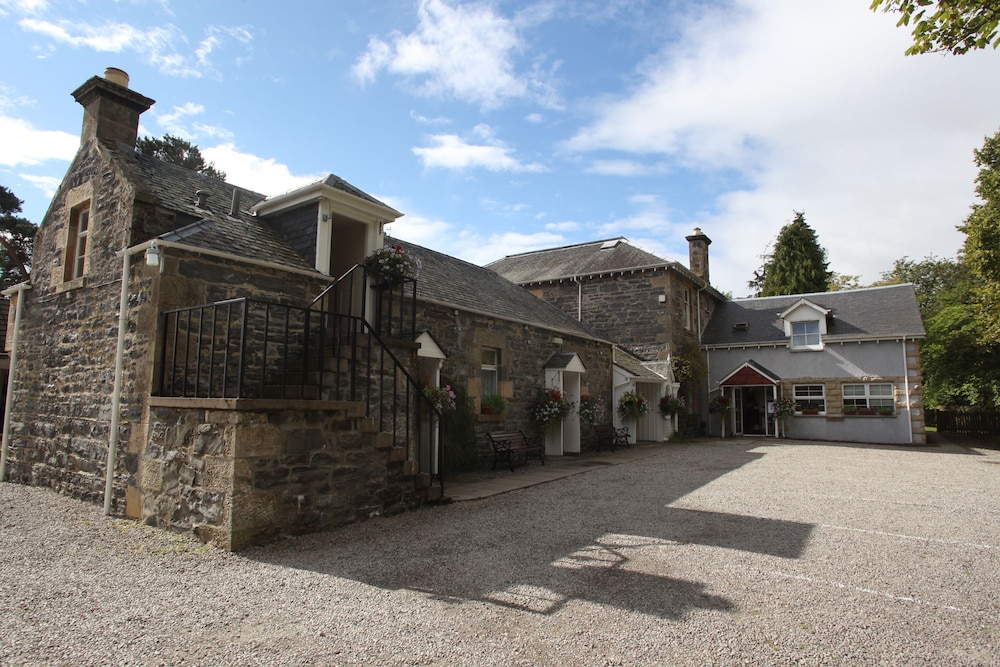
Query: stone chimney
{"x": 698, "y": 254}
{"x": 110, "y": 110}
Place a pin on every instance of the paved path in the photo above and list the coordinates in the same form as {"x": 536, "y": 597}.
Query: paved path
{"x": 473, "y": 486}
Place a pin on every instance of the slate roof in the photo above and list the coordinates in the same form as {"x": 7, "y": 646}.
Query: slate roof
{"x": 633, "y": 365}
{"x": 870, "y": 313}
{"x": 454, "y": 282}
{"x": 211, "y": 227}
{"x": 576, "y": 260}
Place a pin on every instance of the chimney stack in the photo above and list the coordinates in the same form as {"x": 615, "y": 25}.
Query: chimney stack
{"x": 110, "y": 110}
{"x": 698, "y": 254}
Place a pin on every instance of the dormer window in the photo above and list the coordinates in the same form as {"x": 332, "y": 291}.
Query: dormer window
{"x": 806, "y": 335}
{"x": 805, "y": 325}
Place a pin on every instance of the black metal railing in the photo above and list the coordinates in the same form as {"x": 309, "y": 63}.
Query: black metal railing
{"x": 254, "y": 349}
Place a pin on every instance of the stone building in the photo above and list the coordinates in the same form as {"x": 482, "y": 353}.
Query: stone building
{"x": 204, "y": 358}
{"x": 653, "y": 308}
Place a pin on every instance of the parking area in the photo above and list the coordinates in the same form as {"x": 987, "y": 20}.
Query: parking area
{"x": 717, "y": 552}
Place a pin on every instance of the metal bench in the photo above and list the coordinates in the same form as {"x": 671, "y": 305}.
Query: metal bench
{"x": 507, "y": 445}
{"x": 611, "y": 437}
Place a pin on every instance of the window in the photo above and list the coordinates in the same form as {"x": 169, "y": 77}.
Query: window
{"x": 806, "y": 335}
{"x": 76, "y": 242}
{"x": 490, "y": 372}
{"x": 809, "y": 398}
{"x": 869, "y": 396}
{"x": 687, "y": 309}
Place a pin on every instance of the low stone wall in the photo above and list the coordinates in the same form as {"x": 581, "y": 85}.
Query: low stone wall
{"x": 237, "y": 473}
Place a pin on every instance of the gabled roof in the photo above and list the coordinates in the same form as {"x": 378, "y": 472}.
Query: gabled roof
{"x": 870, "y": 313}
{"x": 632, "y": 365}
{"x": 453, "y": 282}
{"x": 208, "y": 227}
{"x": 608, "y": 256}
{"x": 750, "y": 373}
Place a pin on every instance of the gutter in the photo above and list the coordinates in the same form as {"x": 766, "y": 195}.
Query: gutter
{"x": 19, "y": 290}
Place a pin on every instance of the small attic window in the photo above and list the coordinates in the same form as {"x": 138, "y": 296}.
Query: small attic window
{"x": 741, "y": 326}
{"x": 608, "y": 245}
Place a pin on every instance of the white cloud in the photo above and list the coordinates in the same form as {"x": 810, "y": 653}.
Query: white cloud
{"x": 47, "y": 184}
{"x": 626, "y": 168}
{"x": 263, "y": 175}
{"x": 25, "y": 145}
{"x": 160, "y": 46}
{"x": 874, "y": 146}
{"x": 464, "y": 51}
{"x": 449, "y": 151}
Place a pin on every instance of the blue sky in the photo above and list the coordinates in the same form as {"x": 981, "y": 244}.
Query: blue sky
{"x": 502, "y": 127}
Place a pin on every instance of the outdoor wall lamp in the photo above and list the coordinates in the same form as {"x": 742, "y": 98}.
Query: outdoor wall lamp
{"x": 153, "y": 254}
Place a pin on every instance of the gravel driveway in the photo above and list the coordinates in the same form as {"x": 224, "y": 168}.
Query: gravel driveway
{"x": 737, "y": 552}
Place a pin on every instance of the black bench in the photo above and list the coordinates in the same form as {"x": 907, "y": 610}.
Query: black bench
{"x": 506, "y": 445}
{"x": 611, "y": 437}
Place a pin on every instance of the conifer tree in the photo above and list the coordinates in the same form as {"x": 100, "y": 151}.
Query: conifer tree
{"x": 796, "y": 265}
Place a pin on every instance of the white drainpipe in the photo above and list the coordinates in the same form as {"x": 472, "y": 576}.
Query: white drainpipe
{"x": 116, "y": 396}
{"x": 19, "y": 290}
{"x": 906, "y": 390}
{"x": 153, "y": 258}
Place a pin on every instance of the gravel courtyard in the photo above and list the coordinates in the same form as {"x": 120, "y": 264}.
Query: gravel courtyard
{"x": 736, "y": 552}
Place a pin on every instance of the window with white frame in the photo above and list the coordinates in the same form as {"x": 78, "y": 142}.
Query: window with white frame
{"x": 76, "y": 242}
{"x": 809, "y": 398}
{"x": 490, "y": 371}
{"x": 805, "y": 335}
{"x": 873, "y": 395}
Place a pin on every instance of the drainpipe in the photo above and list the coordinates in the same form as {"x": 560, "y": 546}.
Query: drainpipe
{"x": 906, "y": 390}
{"x": 579, "y": 298}
{"x": 19, "y": 290}
{"x": 116, "y": 395}
{"x": 153, "y": 258}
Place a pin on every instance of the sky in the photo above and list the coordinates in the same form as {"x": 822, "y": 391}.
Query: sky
{"x": 509, "y": 126}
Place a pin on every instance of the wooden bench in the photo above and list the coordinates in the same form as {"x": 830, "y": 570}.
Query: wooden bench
{"x": 611, "y": 437}
{"x": 506, "y": 445}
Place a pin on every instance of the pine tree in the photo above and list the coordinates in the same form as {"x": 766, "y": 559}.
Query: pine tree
{"x": 17, "y": 236}
{"x": 180, "y": 152}
{"x": 797, "y": 265}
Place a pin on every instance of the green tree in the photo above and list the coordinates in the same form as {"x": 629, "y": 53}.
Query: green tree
{"x": 958, "y": 369}
{"x": 180, "y": 152}
{"x": 842, "y": 281}
{"x": 796, "y": 265}
{"x": 17, "y": 236}
{"x": 951, "y": 26}
{"x": 982, "y": 242}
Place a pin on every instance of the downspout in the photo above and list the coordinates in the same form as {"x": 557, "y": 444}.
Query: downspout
{"x": 906, "y": 390}
{"x": 19, "y": 290}
{"x": 153, "y": 258}
{"x": 116, "y": 395}
{"x": 579, "y": 298}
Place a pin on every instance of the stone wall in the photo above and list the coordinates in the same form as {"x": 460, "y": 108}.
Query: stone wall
{"x": 524, "y": 350}
{"x": 241, "y": 473}
{"x": 627, "y": 309}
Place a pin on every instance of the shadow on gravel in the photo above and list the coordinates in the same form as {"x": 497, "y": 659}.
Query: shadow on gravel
{"x": 607, "y": 536}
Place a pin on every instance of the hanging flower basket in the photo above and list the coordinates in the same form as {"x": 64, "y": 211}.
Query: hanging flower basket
{"x": 719, "y": 404}
{"x": 590, "y": 411}
{"x": 391, "y": 265}
{"x": 442, "y": 398}
{"x": 632, "y": 406}
{"x": 672, "y": 405}
{"x": 550, "y": 407}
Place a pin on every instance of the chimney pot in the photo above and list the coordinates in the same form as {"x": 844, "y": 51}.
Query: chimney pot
{"x": 115, "y": 75}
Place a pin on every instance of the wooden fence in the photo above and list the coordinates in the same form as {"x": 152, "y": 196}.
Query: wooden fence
{"x": 950, "y": 421}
